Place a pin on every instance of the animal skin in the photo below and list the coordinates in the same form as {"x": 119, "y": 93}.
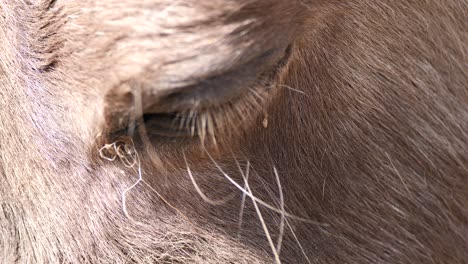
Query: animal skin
{"x": 233, "y": 131}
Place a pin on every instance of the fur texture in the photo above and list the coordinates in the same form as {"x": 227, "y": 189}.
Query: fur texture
{"x": 355, "y": 149}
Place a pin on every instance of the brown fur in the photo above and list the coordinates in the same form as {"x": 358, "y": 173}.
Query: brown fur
{"x": 366, "y": 125}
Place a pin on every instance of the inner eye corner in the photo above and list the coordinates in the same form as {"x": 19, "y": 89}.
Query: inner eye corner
{"x": 271, "y": 73}
{"x": 288, "y": 49}
{"x": 286, "y": 56}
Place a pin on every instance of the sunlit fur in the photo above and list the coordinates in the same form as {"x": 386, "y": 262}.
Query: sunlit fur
{"x": 354, "y": 151}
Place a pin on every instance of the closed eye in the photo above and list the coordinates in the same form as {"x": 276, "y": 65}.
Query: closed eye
{"x": 193, "y": 111}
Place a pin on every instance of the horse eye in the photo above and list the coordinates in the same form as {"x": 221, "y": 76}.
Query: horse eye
{"x": 183, "y": 112}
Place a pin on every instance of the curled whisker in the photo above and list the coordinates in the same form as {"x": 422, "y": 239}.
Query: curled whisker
{"x": 124, "y": 193}
{"x": 126, "y": 153}
{"x": 106, "y": 152}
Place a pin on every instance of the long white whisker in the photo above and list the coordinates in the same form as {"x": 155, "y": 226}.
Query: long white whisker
{"x": 297, "y": 241}
{"x": 281, "y": 229}
{"x": 260, "y": 201}
{"x": 197, "y": 188}
{"x": 241, "y": 213}
{"x": 290, "y": 88}
{"x": 262, "y": 220}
